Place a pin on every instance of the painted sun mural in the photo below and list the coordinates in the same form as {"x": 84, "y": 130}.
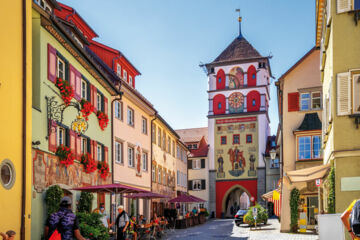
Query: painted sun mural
{"x": 236, "y": 102}
{"x": 236, "y": 78}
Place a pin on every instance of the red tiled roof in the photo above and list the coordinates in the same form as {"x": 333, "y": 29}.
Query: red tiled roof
{"x": 202, "y": 151}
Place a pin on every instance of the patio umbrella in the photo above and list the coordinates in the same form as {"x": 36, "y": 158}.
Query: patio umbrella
{"x": 183, "y": 199}
{"x": 146, "y": 195}
{"x": 110, "y": 188}
{"x": 196, "y": 198}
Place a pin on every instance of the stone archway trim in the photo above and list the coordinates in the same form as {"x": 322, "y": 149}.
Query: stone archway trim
{"x": 232, "y": 188}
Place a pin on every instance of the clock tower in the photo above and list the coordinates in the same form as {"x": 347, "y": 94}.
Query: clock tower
{"x": 238, "y": 125}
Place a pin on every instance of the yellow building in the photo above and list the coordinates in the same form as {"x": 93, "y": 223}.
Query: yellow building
{"x": 165, "y": 150}
{"x": 337, "y": 36}
{"x": 300, "y": 109}
{"x": 15, "y": 128}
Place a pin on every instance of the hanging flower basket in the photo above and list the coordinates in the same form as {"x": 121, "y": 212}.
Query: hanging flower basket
{"x": 66, "y": 91}
{"x": 103, "y": 169}
{"x": 103, "y": 119}
{"x": 86, "y": 108}
{"x": 66, "y": 157}
{"x": 88, "y": 163}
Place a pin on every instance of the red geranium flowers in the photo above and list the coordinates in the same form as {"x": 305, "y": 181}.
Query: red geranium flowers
{"x": 103, "y": 169}
{"x": 66, "y": 91}
{"x": 103, "y": 120}
{"x": 88, "y": 163}
{"x": 66, "y": 157}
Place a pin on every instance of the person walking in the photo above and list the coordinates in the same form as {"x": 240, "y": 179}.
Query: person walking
{"x": 121, "y": 223}
{"x": 64, "y": 222}
{"x": 104, "y": 217}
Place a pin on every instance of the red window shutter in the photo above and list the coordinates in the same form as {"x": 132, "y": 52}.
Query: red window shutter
{"x": 92, "y": 149}
{"x": 95, "y": 97}
{"x": 105, "y": 105}
{"x": 72, "y": 141}
{"x": 77, "y": 85}
{"x": 78, "y": 147}
{"x": 220, "y": 79}
{"x": 253, "y": 101}
{"x": 251, "y": 76}
{"x": 293, "y": 101}
{"x": 72, "y": 77}
{"x": 95, "y": 150}
{"x": 106, "y": 150}
{"x": 219, "y": 104}
{"x": 51, "y": 63}
{"x": 52, "y": 137}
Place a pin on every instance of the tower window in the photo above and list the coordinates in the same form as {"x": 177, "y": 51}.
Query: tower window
{"x": 219, "y": 80}
{"x": 253, "y": 102}
{"x": 253, "y": 76}
{"x": 219, "y": 106}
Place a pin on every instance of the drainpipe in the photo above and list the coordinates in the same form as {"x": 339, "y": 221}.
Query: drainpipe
{"x": 24, "y": 136}
{"x": 151, "y": 154}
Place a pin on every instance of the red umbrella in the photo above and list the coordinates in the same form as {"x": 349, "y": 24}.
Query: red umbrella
{"x": 146, "y": 195}
{"x": 110, "y": 188}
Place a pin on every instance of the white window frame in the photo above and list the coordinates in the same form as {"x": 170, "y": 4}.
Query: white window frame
{"x": 118, "y": 70}
{"x": 99, "y": 152}
{"x": 144, "y": 125}
{"x": 84, "y": 89}
{"x": 125, "y": 75}
{"x": 131, "y": 162}
{"x": 198, "y": 183}
{"x": 196, "y": 164}
{"x": 159, "y": 175}
{"x": 178, "y": 177}
{"x": 178, "y": 155}
{"x": 119, "y": 152}
{"x": 153, "y": 173}
{"x": 61, "y": 136}
{"x": 312, "y": 100}
{"x": 144, "y": 158}
{"x": 98, "y": 101}
{"x": 118, "y": 110}
{"x": 308, "y": 100}
{"x": 130, "y": 116}
{"x": 130, "y": 80}
{"x": 60, "y": 70}
{"x": 159, "y": 137}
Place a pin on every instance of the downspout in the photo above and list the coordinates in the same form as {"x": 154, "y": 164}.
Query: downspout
{"x": 151, "y": 155}
{"x": 24, "y": 136}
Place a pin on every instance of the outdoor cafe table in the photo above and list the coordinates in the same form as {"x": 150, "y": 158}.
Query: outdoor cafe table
{"x": 144, "y": 231}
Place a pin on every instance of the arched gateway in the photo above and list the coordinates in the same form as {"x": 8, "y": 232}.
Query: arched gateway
{"x": 237, "y": 198}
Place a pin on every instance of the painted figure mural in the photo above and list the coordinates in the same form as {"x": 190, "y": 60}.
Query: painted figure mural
{"x": 220, "y": 171}
{"x": 138, "y": 161}
{"x": 237, "y": 161}
{"x": 236, "y": 102}
{"x": 252, "y": 171}
{"x": 236, "y": 79}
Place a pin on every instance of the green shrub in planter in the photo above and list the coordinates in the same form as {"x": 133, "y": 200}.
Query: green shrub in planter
{"x": 91, "y": 226}
{"x": 262, "y": 216}
{"x": 52, "y": 199}
{"x": 85, "y": 202}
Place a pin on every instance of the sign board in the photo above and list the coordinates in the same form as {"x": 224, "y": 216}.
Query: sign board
{"x": 254, "y": 211}
{"x": 318, "y": 182}
{"x": 252, "y": 199}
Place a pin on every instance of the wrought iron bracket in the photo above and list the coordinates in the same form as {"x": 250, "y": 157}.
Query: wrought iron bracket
{"x": 55, "y": 111}
{"x": 357, "y": 119}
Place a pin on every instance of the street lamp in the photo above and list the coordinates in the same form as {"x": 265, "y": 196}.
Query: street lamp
{"x": 273, "y": 154}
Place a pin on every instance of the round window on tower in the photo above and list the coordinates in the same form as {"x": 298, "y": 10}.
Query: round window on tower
{"x": 7, "y": 174}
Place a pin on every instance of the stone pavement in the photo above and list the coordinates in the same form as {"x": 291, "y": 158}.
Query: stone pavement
{"x": 226, "y": 229}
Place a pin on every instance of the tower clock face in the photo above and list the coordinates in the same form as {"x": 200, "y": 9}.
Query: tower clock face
{"x": 236, "y": 100}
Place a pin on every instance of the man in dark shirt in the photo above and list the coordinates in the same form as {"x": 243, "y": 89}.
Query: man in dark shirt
{"x": 64, "y": 221}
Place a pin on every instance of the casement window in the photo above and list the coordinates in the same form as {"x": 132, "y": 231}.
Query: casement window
{"x": 159, "y": 175}
{"x": 99, "y": 150}
{"x": 144, "y": 125}
{"x": 164, "y": 177}
{"x": 236, "y": 139}
{"x": 159, "y": 137}
{"x": 315, "y": 100}
{"x": 274, "y": 163}
{"x": 189, "y": 146}
{"x": 164, "y": 140}
{"x": 84, "y": 89}
{"x": 196, "y": 185}
{"x": 131, "y": 162}
{"x": 309, "y": 147}
{"x": 61, "y": 136}
{"x": 99, "y": 102}
{"x": 119, "y": 152}
{"x": 305, "y": 101}
{"x": 60, "y": 68}
{"x": 118, "y": 110}
{"x": 173, "y": 148}
{"x": 178, "y": 153}
{"x": 168, "y": 145}
{"x": 153, "y": 133}
{"x": 223, "y": 140}
{"x": 196, "y": 164}
{"x": 125, "y": 75}
{"x": 130, "y": 116}
{"x": 348, "y": 102}
{"x": 144, "y": 161}
{"x": 153, "y": 173}
{"x": 84, "y": 145}
{"x": 248, "y": 138}
{"x": 130, "y": 80}
{"x": 118, "y": 70}
{"x": 178, "y": 177}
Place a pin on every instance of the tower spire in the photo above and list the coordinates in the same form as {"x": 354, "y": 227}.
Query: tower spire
{"x": 239, "y": 19}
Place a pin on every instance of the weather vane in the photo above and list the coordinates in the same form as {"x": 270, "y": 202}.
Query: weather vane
{"x": 239, "y": 19}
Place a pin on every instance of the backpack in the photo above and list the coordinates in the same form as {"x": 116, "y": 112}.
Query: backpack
{"x": 355, "y": 219}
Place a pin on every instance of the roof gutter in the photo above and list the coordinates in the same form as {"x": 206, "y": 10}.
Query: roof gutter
{"x": 24, "y": 129}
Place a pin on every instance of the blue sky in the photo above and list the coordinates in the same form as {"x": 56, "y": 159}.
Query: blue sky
{"x": 167, "y": 39}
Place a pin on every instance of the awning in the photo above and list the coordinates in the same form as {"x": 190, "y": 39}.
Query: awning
{"x": 308, "y": 174}
{"x": 269, "y": 195}
{"x": 274, "y": 197}
{"x": 110, "y": 188}
{"x": 186, "y": 199}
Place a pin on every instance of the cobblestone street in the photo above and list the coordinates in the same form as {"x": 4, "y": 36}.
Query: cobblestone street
{"x": 225, "y": 229}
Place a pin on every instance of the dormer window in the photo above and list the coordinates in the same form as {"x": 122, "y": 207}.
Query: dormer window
{"x": 44, "y": 5}
{"x": 118, "y": 70}
{"x": 125, "y": 75}
{"x": 131, "y": 80}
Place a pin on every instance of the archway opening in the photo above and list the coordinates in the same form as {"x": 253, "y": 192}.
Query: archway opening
{"x": 236, "y": 200}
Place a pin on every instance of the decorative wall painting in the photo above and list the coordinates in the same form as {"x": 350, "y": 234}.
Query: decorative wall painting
{"x": 236, "y": 78}
{"x": 236, "y": 102}
{"x": 252, "y": 171}
{"x": 220, "y": 170}
{"x": 237, "y": 162}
